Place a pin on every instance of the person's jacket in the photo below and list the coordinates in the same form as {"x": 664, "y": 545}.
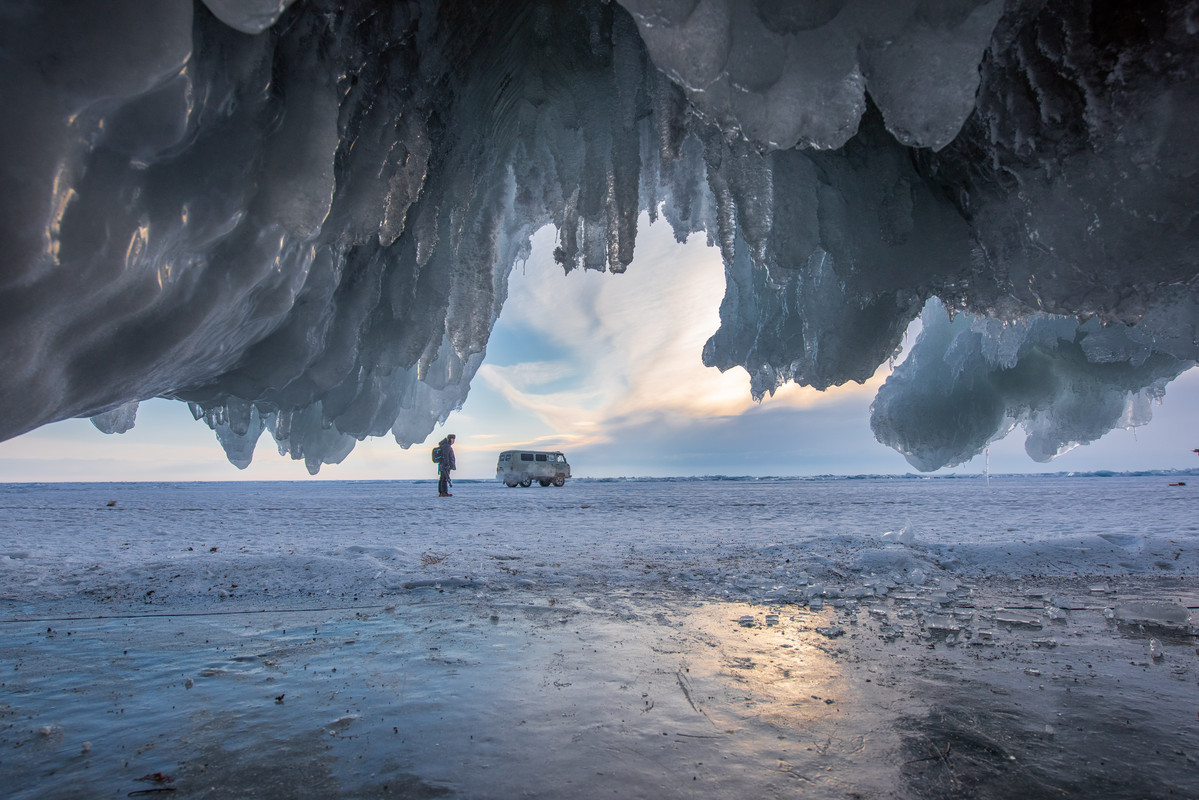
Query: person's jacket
{"x": 447, "y": 455}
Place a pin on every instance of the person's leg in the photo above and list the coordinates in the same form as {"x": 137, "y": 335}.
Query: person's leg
{"x": 441, "y": 482}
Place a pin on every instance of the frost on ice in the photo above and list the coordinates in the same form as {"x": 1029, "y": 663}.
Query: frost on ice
{"x": 301, "y": 217}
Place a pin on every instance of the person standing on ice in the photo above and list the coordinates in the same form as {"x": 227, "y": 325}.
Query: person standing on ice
{"x": 444, "y": 466}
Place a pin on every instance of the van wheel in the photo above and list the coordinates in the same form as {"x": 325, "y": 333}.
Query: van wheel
{"x": 559, "y": 481}
{"x": 526, "y": 483}
{"x": 544, "y": 483}
{"x": 510, "y": 485}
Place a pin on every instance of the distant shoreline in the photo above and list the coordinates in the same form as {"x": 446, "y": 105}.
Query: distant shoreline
{"x": 1000, "y": 476}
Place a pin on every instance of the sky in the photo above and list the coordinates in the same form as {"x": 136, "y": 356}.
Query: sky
{"x": 606, "y": 368}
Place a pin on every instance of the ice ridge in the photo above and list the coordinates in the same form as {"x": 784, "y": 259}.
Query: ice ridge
{"x": 301, "y": 217}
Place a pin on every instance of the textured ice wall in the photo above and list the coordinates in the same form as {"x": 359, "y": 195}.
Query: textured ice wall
{"x": 971, "y": 380}
{"x": 797, "y": 73}
{"x": 301, "y": 217}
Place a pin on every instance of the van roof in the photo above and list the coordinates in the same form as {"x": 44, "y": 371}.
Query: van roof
{"x": 555, "y": 452}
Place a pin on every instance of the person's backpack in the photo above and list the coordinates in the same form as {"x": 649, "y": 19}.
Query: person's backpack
{"x": 436, "y": 455}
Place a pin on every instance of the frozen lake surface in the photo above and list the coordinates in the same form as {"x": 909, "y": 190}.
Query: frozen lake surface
{"x": 906, "y": 638}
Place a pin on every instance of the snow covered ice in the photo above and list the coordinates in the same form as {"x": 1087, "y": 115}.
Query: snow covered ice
{"x": 301, "y": 217}
{"x": 686, "y": 638}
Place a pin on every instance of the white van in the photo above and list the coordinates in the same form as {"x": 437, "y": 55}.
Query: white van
{"x": 522, "y": 467}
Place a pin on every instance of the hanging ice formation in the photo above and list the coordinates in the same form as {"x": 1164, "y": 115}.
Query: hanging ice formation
{"x": 302, "y": 217}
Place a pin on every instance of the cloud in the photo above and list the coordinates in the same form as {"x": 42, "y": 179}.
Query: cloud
{"x": 613, "y": 352}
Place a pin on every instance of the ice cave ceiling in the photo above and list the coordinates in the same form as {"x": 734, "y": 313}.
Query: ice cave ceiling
{"x": 302, "y": 216}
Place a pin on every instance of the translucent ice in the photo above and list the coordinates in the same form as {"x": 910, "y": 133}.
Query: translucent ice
{"x": 1038, "y": 372}
{"x": 301, "y": 217}
{"x": 800, "y": 74}
{"x": 941, "y": 623}
{"x": 1017, "y": 619}
{"x": 117, "y": 420}
{"x": 905, "y": 535}
{"x": 1163, "y": 615}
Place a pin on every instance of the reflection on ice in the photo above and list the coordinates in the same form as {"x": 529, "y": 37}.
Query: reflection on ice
{"x": 455, "y": 697}
{"x": 675, "y": 641}
{"x": 465, "y": 694}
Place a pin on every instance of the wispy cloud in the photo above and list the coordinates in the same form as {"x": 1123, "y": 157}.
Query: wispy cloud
{"x": 625, "y": 350}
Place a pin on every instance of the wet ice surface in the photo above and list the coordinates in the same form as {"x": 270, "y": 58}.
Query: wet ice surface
{"x": 1033, "y": 637}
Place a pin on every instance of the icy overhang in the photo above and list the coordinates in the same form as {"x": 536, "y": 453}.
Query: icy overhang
{"x": 302, "y": 217}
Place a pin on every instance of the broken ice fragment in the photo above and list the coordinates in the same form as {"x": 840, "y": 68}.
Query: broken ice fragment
{"x": 1017, "y": 619}
{"x": 940, "y": 623}
{"x": 831, "y": 631}
{"x": 1171, "y": 616}
{"x": 905, "y": 535}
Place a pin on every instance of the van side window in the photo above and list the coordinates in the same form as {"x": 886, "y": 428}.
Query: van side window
{"x": 561, "y": 459}
{"x": 541, "y": 457}
{"x": 526, "y": 456}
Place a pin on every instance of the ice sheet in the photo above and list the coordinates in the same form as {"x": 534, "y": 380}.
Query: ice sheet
{"x": 679, "y": 638}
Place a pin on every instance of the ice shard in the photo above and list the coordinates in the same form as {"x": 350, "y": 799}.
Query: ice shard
{"x": 301, "y": 217}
